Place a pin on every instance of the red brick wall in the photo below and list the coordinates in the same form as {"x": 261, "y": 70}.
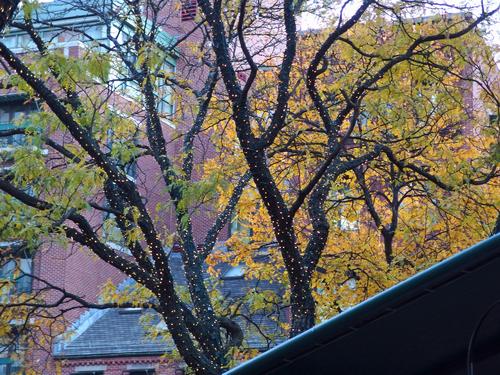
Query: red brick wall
{"x": 75, "y": 268}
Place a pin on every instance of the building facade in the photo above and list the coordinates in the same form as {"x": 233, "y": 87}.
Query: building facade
{"x": 108, "y": 342}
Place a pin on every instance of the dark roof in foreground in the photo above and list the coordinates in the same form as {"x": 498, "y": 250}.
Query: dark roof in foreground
{"x": 420, "y": 326}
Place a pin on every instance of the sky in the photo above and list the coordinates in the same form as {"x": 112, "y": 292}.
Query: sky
{"x": 310, "y": 21}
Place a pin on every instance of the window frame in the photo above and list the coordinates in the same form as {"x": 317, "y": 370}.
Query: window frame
{"x": 17, "y": 269}
{"x": 165, "y": 100}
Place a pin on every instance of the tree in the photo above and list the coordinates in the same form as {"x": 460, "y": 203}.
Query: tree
{"x": 326, "y": 123}
{"x": 89, "y": 175}
{"x": 389, "y": 42}
{"x": 404, "y": 209}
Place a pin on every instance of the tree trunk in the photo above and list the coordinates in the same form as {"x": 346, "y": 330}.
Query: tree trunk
{"x": 303, "y": 308}
{"x": 388, "y": 237}
{"x": 210, "y": 341}
{"x": 196, "y": 360}
{"x": 496, "y": 228}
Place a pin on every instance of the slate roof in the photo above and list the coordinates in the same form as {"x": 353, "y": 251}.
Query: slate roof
{"x": 115, "y": 333}
{"x": 122, "y": 332}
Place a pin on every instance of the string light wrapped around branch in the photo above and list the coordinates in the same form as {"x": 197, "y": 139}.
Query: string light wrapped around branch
{"x": 7, "y": 8}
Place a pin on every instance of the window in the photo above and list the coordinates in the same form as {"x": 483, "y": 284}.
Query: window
{"x": 235, "y": 226}
{"x": 7, "y": 122}
{"x": 24, "y": 281}
{"x": 140, "y": 369}
{"x": 10, "y": 40}
{"x": 9, "y": 367}
{"x": 89, "y": 370}
{"x": 165, "y": 98}
{"x": 23, "y": 41}
{"x": 233, "y": 273}
{"x": 111, "y": 230}
{"x": 128, "y": 59}
{"x": 112, "y": 233}
{"x": 188, "y": 10}
{"x": 352, "y": 280}
{"x": 130, "y": 170}
{"x": 18, "y": 272}
{"x": 241, "y": 228}
{"x": 129, "y": 167}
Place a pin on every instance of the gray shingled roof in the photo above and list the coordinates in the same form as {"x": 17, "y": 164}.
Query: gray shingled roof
{"x": 116, "y": 333}
{"x": 121, "y": 333}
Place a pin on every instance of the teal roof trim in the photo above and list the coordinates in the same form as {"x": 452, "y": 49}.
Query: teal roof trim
{"x": 354, "y": 319}
{"x": 163, "y": 38}
{"x": 65, "y": 11}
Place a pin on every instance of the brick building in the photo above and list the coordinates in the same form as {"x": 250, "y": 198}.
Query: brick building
{"x": 107, "y": 342}
{"x": 112, "y": 342}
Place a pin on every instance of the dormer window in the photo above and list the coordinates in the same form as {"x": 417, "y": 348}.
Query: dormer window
{"x": 233, "y": 273}
{"x": 130, "y": 310}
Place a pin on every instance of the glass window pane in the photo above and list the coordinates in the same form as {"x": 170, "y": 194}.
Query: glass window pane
{"x": 24, "y": 282}
{"x": 7, "y": 269}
